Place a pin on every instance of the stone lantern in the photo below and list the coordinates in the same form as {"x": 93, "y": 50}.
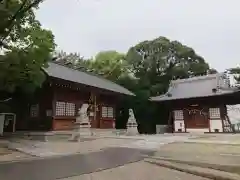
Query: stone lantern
{"x": 132, "y": 124}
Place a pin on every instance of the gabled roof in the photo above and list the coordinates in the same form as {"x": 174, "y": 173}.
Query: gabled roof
{"x": 77, "y": 76}
{"x": 201, "y": 86}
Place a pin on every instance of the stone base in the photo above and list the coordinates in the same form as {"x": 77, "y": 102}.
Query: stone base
{"x": 79, "y": 131}
{"x": 86, "y": 132}
{"x": 132, "y": 131}
{"x": 119, "y": 132}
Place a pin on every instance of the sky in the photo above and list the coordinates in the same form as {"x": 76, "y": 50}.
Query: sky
{"x": 210, "y": 27}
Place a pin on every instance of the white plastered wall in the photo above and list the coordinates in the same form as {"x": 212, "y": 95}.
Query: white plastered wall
{"x": 216, "y": 124}
{"x": 215, "y": 120}
{"x": 202, "y": 130}
{"x": 179, "y": 125}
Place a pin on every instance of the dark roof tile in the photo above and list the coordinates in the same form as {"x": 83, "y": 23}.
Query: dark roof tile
{"x": 62, "y": 72}
{"x": 201, "y": 86}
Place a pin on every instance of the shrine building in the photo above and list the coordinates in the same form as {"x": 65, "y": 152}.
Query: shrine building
{"x": 199, "y": 104}
{"x": 55, "y": 105}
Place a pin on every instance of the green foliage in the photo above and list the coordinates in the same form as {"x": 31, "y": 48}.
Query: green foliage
{"x": 72, "y": 60}
{"x": 14, "y": 14}
{"x": 110, "y": 64}
{"x": 25, "y": 46}
{"x": 158, "y": 61}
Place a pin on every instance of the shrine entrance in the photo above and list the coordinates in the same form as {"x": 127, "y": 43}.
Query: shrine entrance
{"x": 196, "y": 118}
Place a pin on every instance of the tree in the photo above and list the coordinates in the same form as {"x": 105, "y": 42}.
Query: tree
{"x": 212, "y": 71}
{"x": 14, "y": 13}
{"x": 71, "y": 60}
{"x": 110, "y": 64}
{"x": 27, "y": 47}
{"x": 157, "y": 62}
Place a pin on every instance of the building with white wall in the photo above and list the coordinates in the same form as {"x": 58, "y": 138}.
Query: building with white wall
{"x": 199, "y": 104}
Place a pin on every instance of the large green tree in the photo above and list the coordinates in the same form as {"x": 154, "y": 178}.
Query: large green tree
{"x": 25, "y": 46}
{"x": 158, "y": 61}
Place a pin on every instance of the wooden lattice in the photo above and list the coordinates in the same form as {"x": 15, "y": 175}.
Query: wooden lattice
{"x": 214, "y": 113}
{"x": 178, "y": 114}
{"x": 65, "y": 109}
{"x": 107, "y": 112}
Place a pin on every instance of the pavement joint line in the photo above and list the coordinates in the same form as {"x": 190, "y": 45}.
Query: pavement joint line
{"x": 192, "y": 171}
{"x": 212, "y": 142}
{"x": 219, "y": 167}
{"x": 229, "y": 155}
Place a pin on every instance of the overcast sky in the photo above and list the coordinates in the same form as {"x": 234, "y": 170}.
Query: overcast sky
{"x": 211, "y": 27}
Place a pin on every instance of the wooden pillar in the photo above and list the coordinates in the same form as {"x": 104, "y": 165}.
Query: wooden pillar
{"x": 95, "y": 108}
{"x": 93, "y": 103}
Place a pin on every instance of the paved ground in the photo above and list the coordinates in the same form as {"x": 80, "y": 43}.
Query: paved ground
{"x": 96, "y": 154}
{"x": 46, "y": 149}
{"x": 7, "y": 154}
{"x": 13, "y": 156}
{"x": 137, "y": 171}
{"x": 217, "y": 139}
{"x": 65, "y": 166}
{"x": 225, "y": 157}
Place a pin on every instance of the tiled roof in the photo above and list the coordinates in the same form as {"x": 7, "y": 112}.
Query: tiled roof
{"x": 65, "y": 73}
{"x": 201, "y": 86}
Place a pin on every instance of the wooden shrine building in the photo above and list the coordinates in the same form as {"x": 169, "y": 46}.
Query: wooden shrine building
{"x": 198, "y": 104}
{"x": 55, "y": 105}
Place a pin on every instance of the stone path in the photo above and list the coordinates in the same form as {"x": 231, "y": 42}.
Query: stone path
{"x": 66, "y": 166}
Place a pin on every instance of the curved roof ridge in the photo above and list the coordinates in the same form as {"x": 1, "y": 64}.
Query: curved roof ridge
{"x": 196, "y": 78}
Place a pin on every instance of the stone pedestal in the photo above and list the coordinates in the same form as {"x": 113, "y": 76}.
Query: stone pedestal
{"x": 132, "y": 124}
{"x": 82, "y": 126}
{"x": 132, "y": 130}
{"x": 120, "y": 132}
{"x": 76, "y": 133}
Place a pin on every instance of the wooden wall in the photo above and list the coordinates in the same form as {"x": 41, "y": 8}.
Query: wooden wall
{"x": 63, "y": 91}
{"x": 199, "y": 122}
{"x": 78, "y": 97}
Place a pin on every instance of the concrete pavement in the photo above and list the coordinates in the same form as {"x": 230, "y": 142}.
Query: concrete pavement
{"x": 221, "y": 157}
{"x": 195, "y": 170}
{"x": 137, "y": 171}
{"x": 65, "y": 166}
